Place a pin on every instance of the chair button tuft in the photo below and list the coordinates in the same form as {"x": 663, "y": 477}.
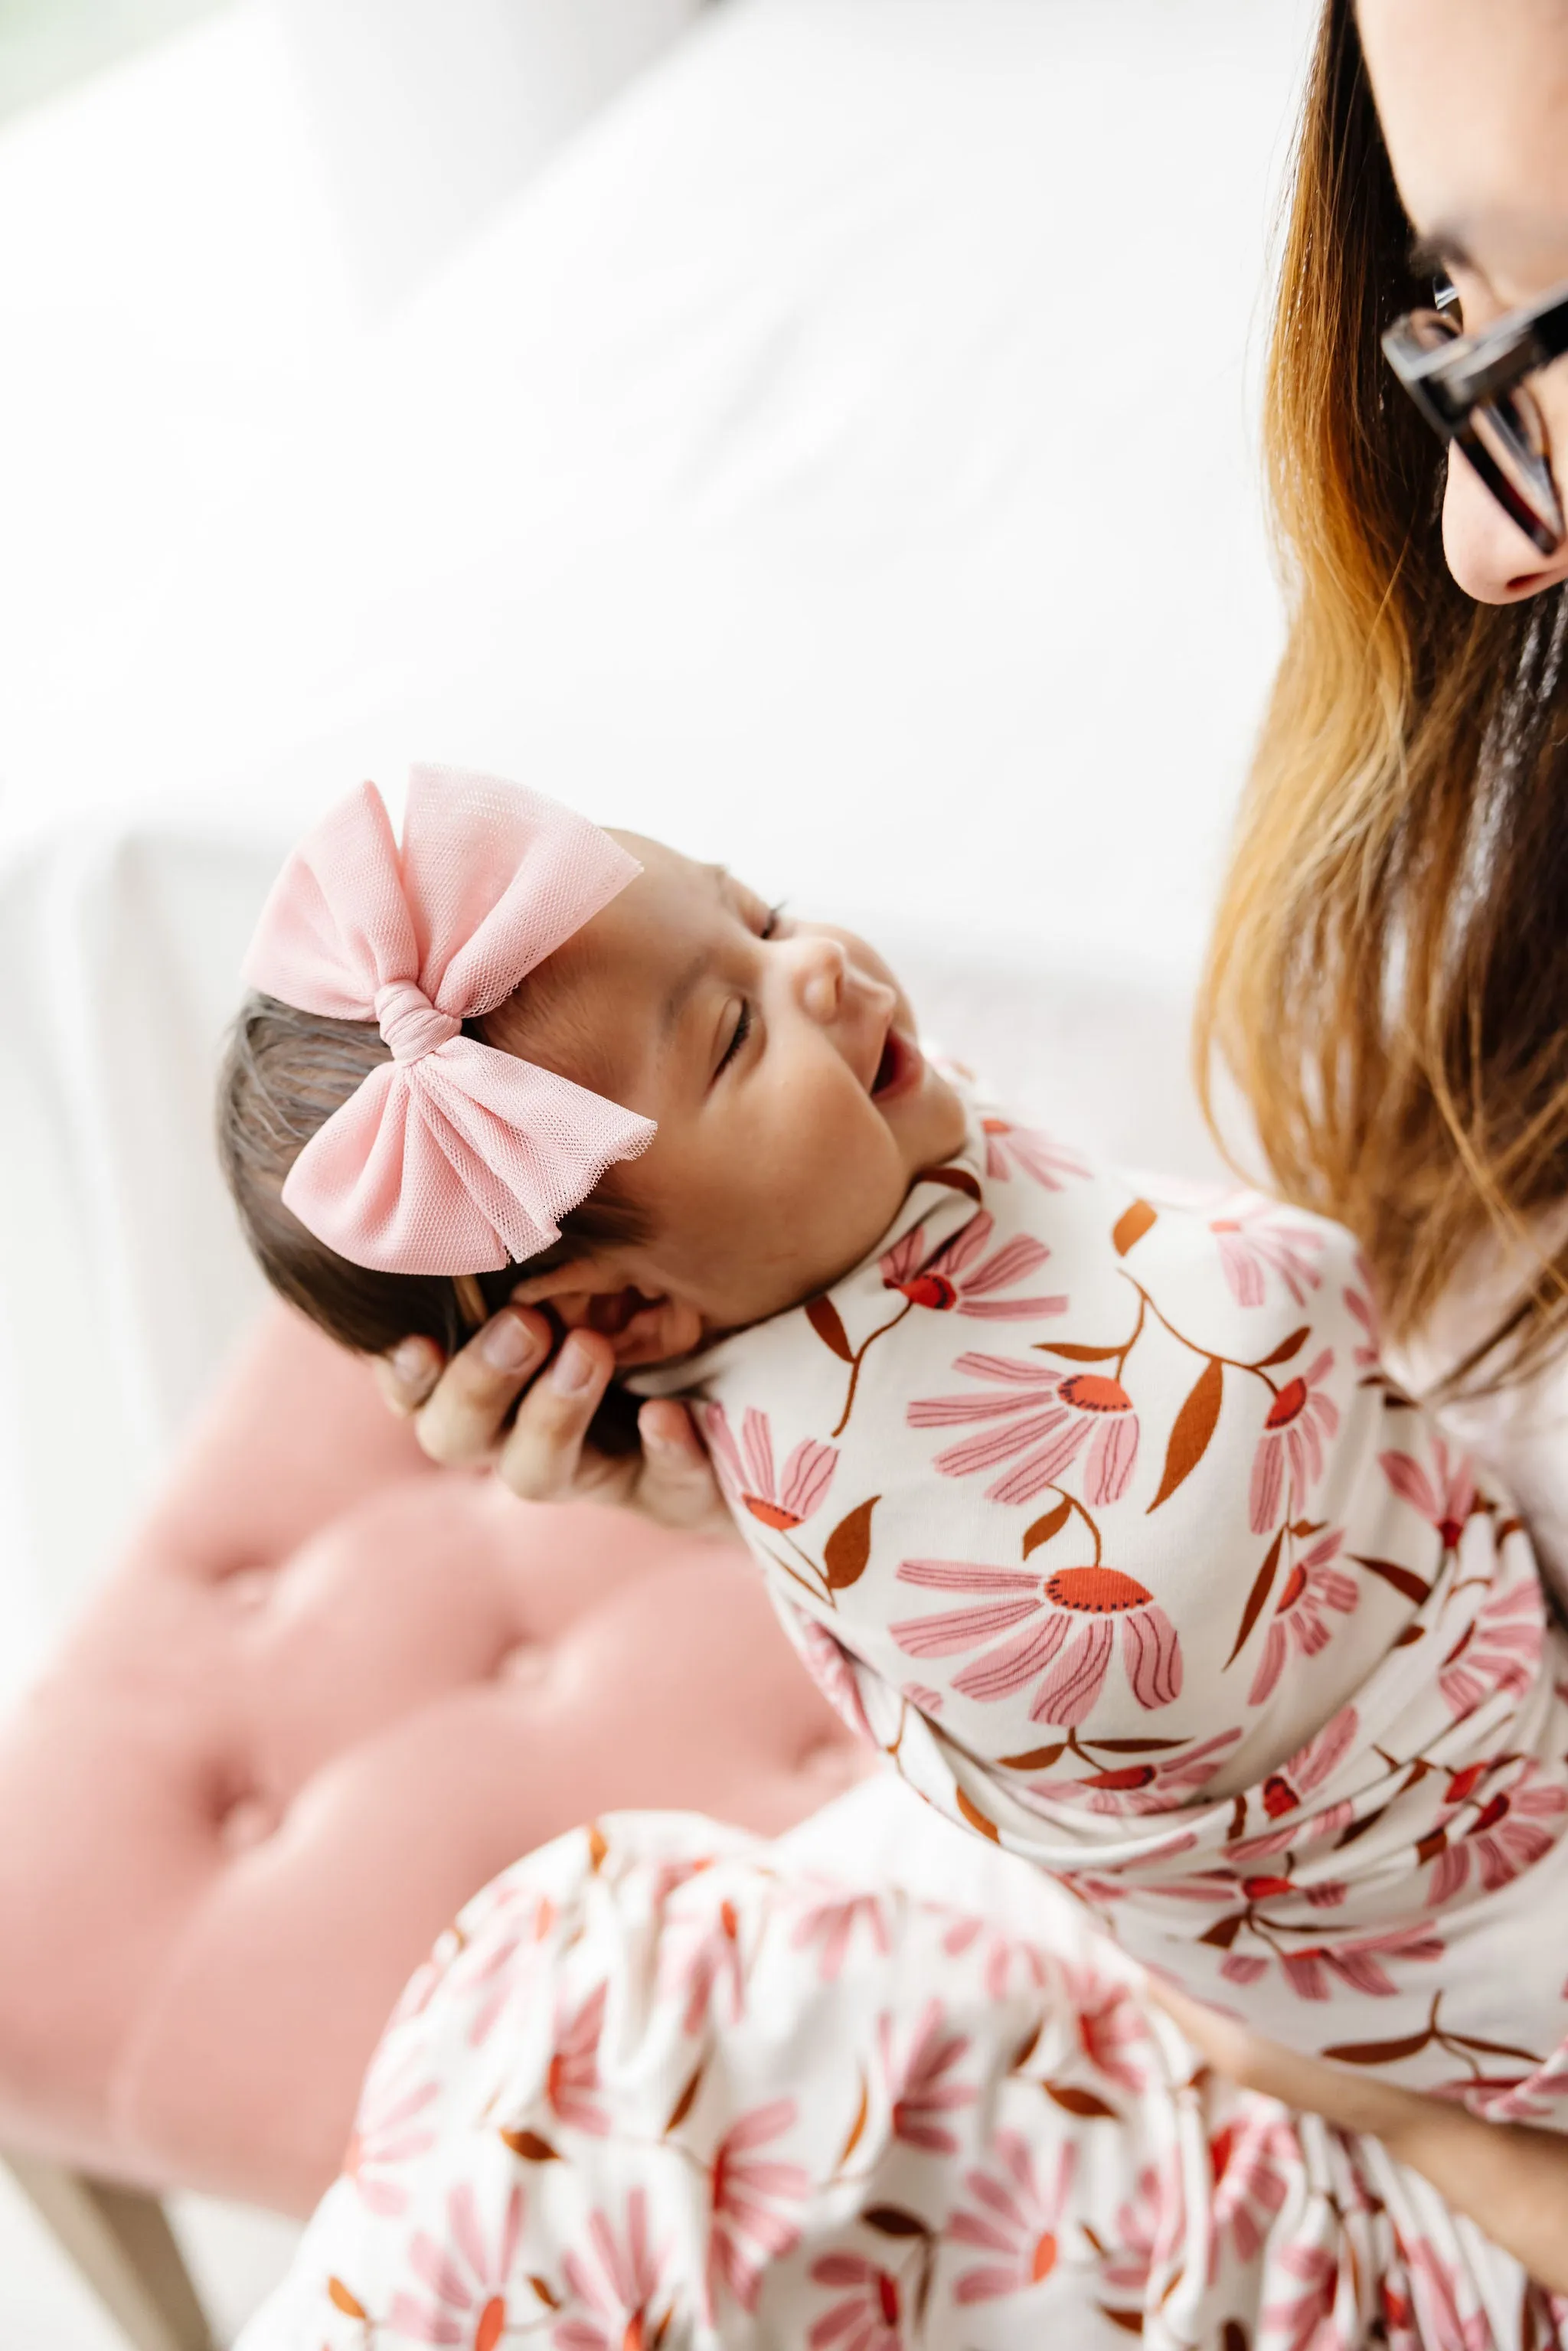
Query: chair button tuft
{"x": 525, "y": 1664}
{"x": 250, "y": 1821}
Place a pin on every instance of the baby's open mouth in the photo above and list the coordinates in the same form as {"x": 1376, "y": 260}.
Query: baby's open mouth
{"x": 899, "y": 1068}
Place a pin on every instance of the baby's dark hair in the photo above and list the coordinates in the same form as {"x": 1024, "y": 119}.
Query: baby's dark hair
{"x": 284, "y": 1073}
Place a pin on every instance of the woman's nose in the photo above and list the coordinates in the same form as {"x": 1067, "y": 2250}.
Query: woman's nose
{"x": 1490, "y": 556}
{"x": 820, "y": 979}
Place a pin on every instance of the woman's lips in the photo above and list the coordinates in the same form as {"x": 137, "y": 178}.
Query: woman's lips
{"x": 900, "y": 1069}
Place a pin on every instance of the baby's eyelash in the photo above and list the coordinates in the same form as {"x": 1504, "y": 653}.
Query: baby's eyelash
{"x": 772, "y": 925}
{"x": 742, "y": 1031}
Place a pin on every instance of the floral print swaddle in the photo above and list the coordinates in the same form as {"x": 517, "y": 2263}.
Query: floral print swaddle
{"x": 1095, "y": 1510}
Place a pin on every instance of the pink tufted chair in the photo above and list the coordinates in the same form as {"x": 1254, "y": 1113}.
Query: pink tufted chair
{"x": 328, "y": 1692}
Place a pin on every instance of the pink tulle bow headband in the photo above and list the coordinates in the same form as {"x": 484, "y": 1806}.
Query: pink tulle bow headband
{"x": 453, "y": 1157}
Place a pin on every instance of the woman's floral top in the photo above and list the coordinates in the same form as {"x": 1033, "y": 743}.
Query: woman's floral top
{"x": 1095, "y": 1510}
{"x": 658, "y": 2091}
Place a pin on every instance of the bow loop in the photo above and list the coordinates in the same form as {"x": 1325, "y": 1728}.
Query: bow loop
{"x": 453, "y": 1157}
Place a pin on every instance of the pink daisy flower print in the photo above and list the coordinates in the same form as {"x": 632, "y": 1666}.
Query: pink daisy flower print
{"x": 1435, "y": 2318}
{"x": 1014, "y": 2217}
{"x": 1026, "y": 1151}
{"x": 751, "y": 2200}
{"x": 951, "y": 1282}
{"x": 1150, "y": 1787}
{"x": 1040, "y": 1420}
{"x": 1498, "y": 1652}
{"x": 780, "y": 1501}
{"x": 466, "y": 2277}
{"x": 1311, "y": 1974}
{"x": 1445, "y": 1498}
{"x": 615, "y": 2283}
{"x": 868, "y": 2317}
{"x": 1304, "y": 2320}
{"x": 833, "y": 1921}
{"x": 1149, "y": 2227}
{"x": 392, "y": 2127}
{"x": 1289, "y": 1455}
{"x": 917, "y": 2087}
{"x": 1254, "y": 1240}
{"x": 1061, "y": 1634}
{"x": 705, "y": 1969}
{"x": 574, "y": 2075}
{"x": 1509, "y": 1835}
{"x": 1359, "y": 1301}
{"x": 1314, "y": 1588}
{"x": 1112, "y": 2033}
{"x": 1003, "y": 1955}
{"x": 1254, "y": 2160}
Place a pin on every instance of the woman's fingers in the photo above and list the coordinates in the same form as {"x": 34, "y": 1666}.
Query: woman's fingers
{"x": 677, "y": 1486}
{"x": 540, "y": 1459}
{"x": 460, "y": 1423}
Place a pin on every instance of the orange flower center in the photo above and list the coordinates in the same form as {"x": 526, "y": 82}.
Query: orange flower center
{"x": 770, "y": 1514}
{"x": 932, "y": 1289}
{"x": 1094, "y": 1391}
{"x": 1295, "y": 1584}
{"x": 492, "y": 2325}
{"x": 1095, "y": 1591}
{"x": 1288, "y": 1405}
{"x": 1044, "y": 2259}
{"x": 1130, "y": 1776}
{"x": 887, "y": 2298}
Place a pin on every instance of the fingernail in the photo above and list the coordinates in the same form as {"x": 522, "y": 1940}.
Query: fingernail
{"x": 508, "y": 1344}
{"x": 411, "y": 1361}
{"x": 573, "y": 1369}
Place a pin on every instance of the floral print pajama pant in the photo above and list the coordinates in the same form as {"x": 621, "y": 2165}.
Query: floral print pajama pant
{"x": 658, "y": 2088}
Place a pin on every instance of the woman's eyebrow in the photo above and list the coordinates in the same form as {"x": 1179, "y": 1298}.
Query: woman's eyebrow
{"x": 1441, "y": 249}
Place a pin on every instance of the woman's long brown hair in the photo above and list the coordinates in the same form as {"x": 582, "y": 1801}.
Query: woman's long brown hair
{"x": 1388, "y": 981}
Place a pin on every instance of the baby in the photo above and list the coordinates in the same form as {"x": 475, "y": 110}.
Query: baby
{"x": 1162, "y": 1583}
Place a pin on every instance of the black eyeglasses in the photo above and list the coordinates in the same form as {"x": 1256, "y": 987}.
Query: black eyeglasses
{"x": 1472, "y": 391}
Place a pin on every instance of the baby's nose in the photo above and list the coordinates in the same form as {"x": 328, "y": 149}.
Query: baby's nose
{"x": 822, "y": 980}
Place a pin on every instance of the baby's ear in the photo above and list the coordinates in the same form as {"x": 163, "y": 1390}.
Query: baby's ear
{"x": 641, "y": 1327}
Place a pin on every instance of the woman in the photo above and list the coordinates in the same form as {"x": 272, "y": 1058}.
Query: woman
{"x": 1389, "y": 978}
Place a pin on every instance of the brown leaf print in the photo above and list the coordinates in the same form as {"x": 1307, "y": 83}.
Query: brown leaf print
{"x": 1039, "y": 1759}
{"x": 1192, "y": 1429}
{"x": 826, "y": 1322}
{"x": 848, "y": 1548}
{"x": 1046, "y": 1530}
{"x": 552, "y": 2300}
{"x": 1131, "y": 2321}
{"x": 1263, "y": 1584}
{"x": 1286, "y": 1349}
{"x": 857, "y": 2127}
{"x": 892, "y": 2220}
{"x": 1378, "y": 2053}
{"x": 976, "y": 1819}
{"x": 1413, "y": 1586}
{"x": 1075, "y": 2101}
{"x": 1074, "y": 1353}
{"x": 686, "y": 2101}
{"x": 530, "y": 2147}
{"x": 956, "y": 1179}
{"x": 1131, "y": 1225}
{"x": 351, "y": 2306}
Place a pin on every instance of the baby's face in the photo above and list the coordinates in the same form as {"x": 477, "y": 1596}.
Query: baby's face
{"x": 778, "y": 1057}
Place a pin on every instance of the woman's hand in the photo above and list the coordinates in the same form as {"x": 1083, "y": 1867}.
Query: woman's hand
{"x": 1511, "y": 2180}
{"x": 459, "y": 1410}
